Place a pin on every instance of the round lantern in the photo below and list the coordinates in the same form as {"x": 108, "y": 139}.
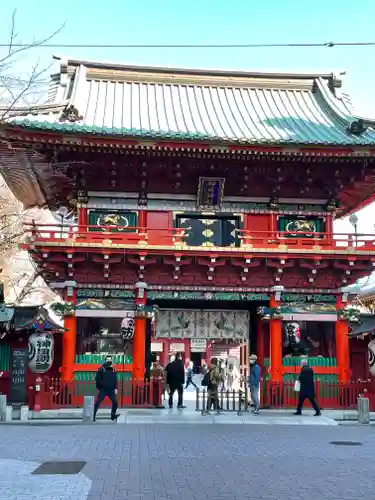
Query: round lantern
{"x": 371, "y": 357}
{"x": 41, "y": 352}
{"x": 127, "y": 328}
{"x": 292, "y": 334}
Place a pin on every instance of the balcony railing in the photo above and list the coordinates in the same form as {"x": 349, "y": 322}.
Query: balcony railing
{"x": 91, "y": 235}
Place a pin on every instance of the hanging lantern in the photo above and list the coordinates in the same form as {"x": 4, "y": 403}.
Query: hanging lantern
{"x": 41, "y": 352}
{"x": 292, "y": 334}
{"x": 127, "y": 328}
{"x": 371, "y": 357}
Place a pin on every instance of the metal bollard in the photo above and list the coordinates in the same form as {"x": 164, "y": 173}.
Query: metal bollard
{"x": 234, "y": 400}
{"x": 239, "y": 412}
{"x": 222, "y": 399}
{"x": 88, "y": 409}
{"x": 197, "y": 399}
{"x": 217, "y": 402}
{"x": 246, "y": 400}
{"x": 3, "y": 407}
{"x": 204, "y": 411}
{"x": 363, "y": 408}
{"x": 227, "y": 396}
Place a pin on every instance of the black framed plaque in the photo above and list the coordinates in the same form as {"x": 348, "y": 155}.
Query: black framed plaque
{"x": 19, "y": 363}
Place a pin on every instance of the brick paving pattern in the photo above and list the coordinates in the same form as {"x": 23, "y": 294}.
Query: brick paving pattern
{"x": 219, "y": 462}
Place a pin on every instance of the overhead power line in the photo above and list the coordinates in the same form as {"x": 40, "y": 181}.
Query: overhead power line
{"x": 187, "y": 46}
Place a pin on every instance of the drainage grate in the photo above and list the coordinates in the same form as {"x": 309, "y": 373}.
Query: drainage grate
{"x": 51, "y": 468}
{"x": 346, "y": 443}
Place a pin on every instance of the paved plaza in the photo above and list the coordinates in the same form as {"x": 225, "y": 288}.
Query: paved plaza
{"x": 196, "y": 462}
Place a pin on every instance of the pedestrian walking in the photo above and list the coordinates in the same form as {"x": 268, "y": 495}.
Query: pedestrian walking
{"x": 106, "y": 384}
{"x": 254, "y": 382}
{"x": 175, "y": 378}
{"x": 306, "y": 388}
{"x": 189, "y": 377}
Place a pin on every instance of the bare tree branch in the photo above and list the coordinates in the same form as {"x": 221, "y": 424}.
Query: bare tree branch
{"x": 15, "y": 89}
{"x": 20, "y": 275}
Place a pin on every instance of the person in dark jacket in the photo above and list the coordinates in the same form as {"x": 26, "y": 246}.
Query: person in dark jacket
{"x": 175, "y": 378}
{"x": 106, "y": 384}
{"x": 307, "y": 389}
{"x": 254, "y": 382}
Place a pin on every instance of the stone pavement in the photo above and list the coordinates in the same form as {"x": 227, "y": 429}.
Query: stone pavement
{"x": 161, "y": 462}
{"x": 16, "y": 482}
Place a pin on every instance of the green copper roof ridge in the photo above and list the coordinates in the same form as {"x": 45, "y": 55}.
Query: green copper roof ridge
{"x": 162, "y": 135}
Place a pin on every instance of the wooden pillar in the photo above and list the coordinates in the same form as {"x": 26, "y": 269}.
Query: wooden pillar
{"x": 342, "y": 345}
{"x": 276, "y": 345}
{"x": 82, "y": 217}
{"x": 142, "y": 222}
{"x": 260, "y": 343}
{"x": 139, "y": 340}
{"x": 69, "y": 340}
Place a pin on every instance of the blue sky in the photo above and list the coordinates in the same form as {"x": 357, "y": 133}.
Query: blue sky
{"x": 210, "y": 21}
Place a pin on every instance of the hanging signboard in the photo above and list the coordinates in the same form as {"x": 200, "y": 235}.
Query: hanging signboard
{"x": 177, "y": 347}
{"x": 18, "y": 380}
{"x": 198, "y": 345}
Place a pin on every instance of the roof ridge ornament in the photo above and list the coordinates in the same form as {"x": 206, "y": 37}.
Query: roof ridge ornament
{"x": 70, "y": 114}
{"x": 357, "y": 127}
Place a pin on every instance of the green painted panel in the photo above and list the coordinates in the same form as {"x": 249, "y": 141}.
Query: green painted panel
{"x": 117, "y": 221}
{"x": 4, "y": 357}
{"x": 94, "y": 359}
{"x": 300, "y": 227}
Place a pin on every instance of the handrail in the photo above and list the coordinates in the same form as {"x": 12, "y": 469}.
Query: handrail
{"x": 46, "y": 232}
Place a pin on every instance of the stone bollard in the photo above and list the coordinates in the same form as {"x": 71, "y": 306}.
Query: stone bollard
{"x": 3, "y": 407}
{"x": 121, "y": 419}
{"x": 24, "y": 413}
{"x": 88, "y": 409}
{"x": 8, "y": 414}
{"x": 363, "y": 407}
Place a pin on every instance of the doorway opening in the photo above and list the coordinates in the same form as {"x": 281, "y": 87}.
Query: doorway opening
{"x": 196, "y": 358}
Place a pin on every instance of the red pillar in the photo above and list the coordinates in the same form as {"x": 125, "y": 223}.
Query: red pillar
{"x": 276, "y": 345}
{"x": 69, "y": 340}
{"x": 342, "y": 345}
{"x": 260, "y": 343}
{"x": 142, "y": 222}
{"x": 82, "y": 217}
{"x": 139, "y": 340}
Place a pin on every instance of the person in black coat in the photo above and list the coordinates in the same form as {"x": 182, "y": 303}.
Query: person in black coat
{"x": 175, "y": 378}
{"x": 307, "y": 389}
{"x": 106, "y": 384}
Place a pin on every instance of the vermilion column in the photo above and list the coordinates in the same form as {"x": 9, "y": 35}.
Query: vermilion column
{"x": 82, "y": 217}
{"x": 69, "y": 341}
{"x": 139, "y": 340}
{"x": 260, "y": 343}
{"x": 342, "y": 345}
{"x": 276, "y": 347}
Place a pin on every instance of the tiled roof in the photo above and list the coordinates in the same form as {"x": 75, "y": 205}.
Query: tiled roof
{"x": 215, "y": 106}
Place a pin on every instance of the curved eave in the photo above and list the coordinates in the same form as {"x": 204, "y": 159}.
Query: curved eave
{"x": 180, "y": 142}
{"x": 150, "y": 135}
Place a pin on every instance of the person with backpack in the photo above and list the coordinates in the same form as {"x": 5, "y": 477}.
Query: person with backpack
{"x": 212, "y": 380}
{"x": 106, "y": 384}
